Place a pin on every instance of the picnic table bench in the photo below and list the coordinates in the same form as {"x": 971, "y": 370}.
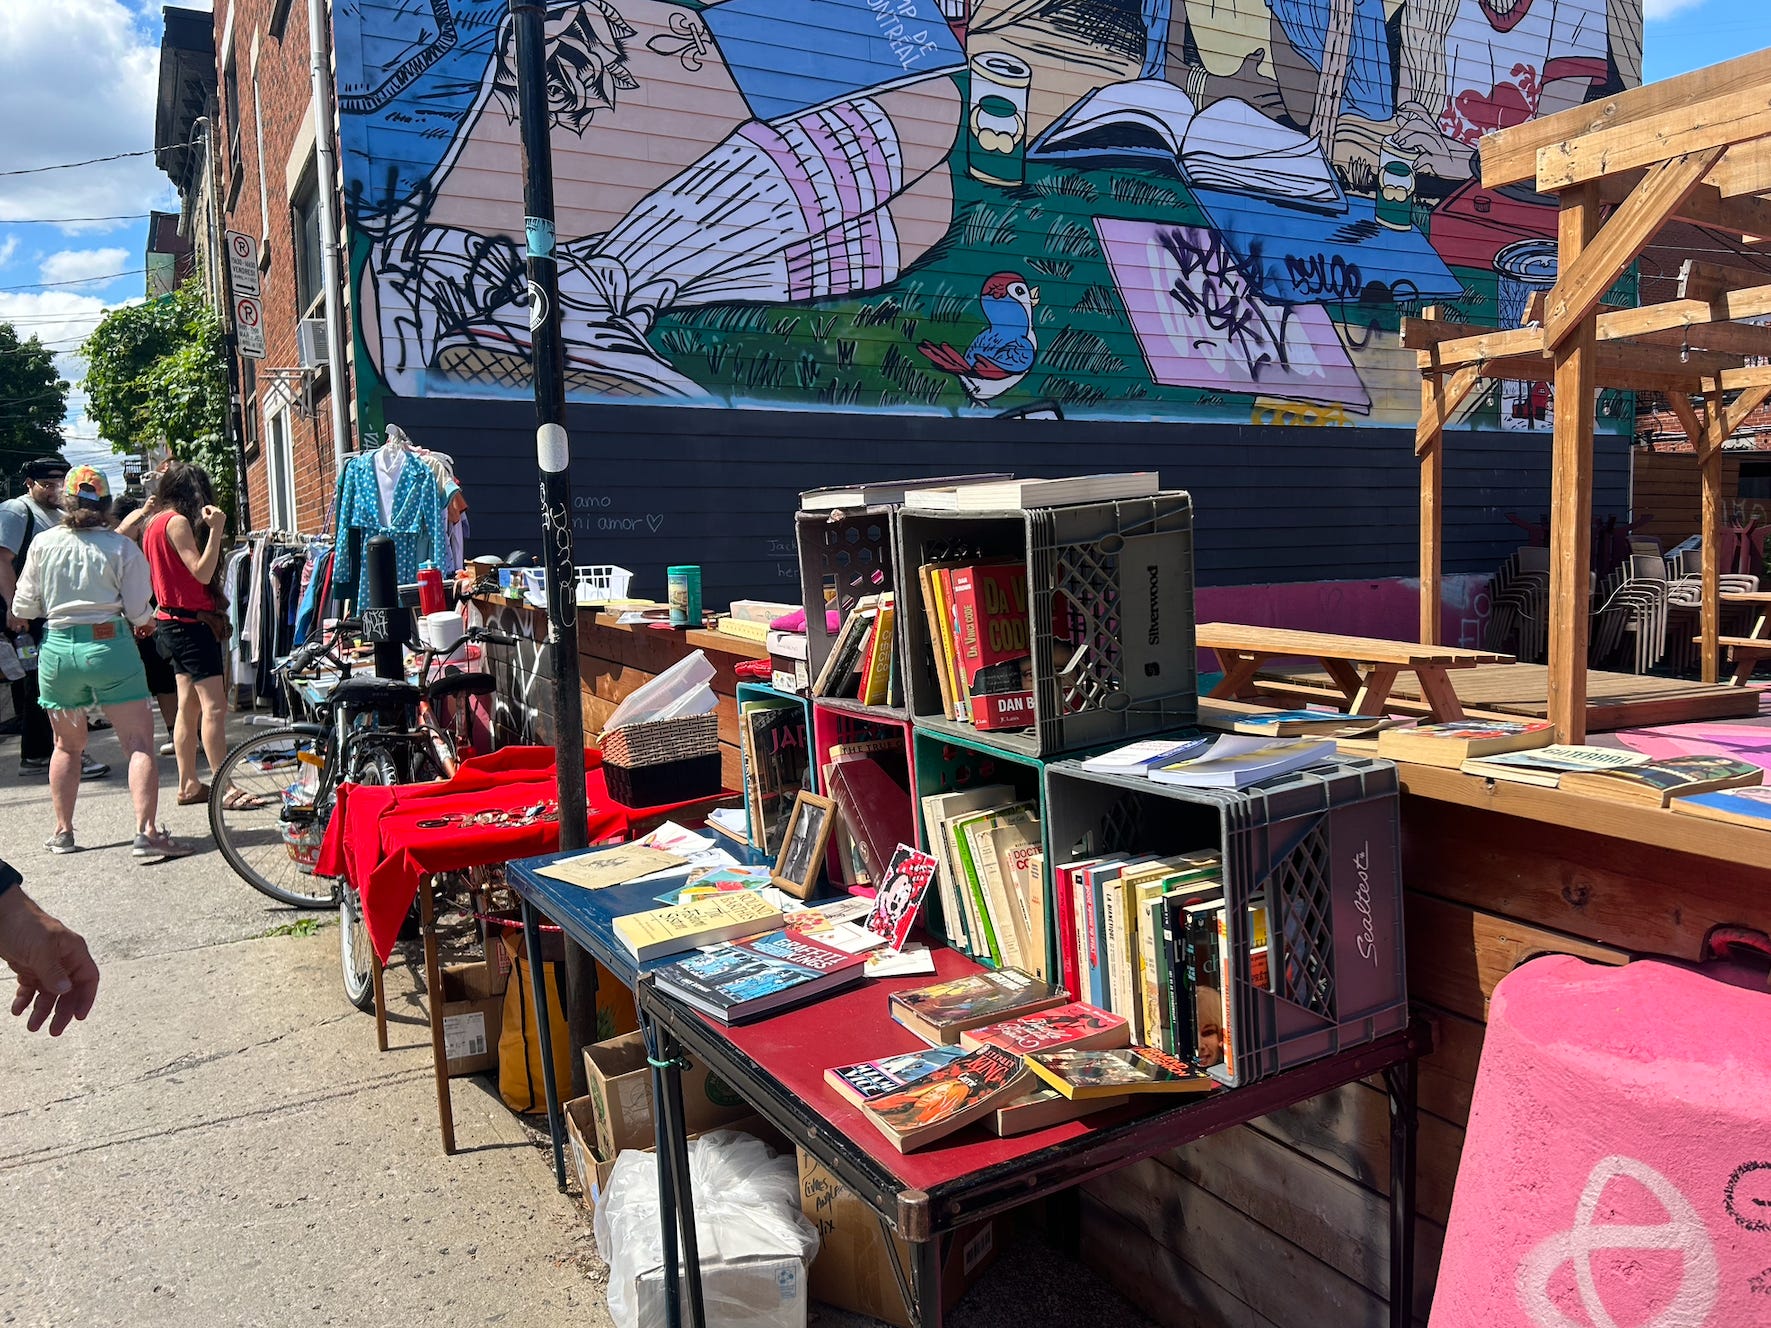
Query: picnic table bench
{"x": 1364, "y": 668}
{"x": 1756, "y": 644}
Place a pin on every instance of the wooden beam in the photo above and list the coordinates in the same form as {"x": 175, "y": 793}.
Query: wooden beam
{"x": 1539, "y": 369}
{"x": 1744, "y": 169}
{"x": 1510, "y": 155}
{"x": 1733, "y": 416}
{"x": 1700, "y": 279}
{"x": 1709, "y": 470}
{"x": 1582, "y": 283}
{"x": 1705, "y": 206}
{"x": 1700, "y": 127}
{"x": 1571, "y": 476}
{"x": 1729, "y": 338}
{"x": 1440, "y": 398}
{"x": 1745, "y": 380}
{"x": 1695, "y": 426}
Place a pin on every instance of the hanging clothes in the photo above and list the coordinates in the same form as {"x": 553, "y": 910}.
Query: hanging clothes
{"x": 375, "y": 498}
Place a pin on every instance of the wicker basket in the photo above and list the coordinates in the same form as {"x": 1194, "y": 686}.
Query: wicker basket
{"x": 662, "y": 741}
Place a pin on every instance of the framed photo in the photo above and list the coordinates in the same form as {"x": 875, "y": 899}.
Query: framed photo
{"x": 802, "y": 850}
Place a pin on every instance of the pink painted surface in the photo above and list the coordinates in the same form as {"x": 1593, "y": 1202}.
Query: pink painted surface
{"x": 1744, "y": 742}
{"x": 1388, "y": 609}
{"x": 1617, "y": 1169}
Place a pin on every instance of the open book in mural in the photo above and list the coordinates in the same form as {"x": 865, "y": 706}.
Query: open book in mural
{"x": 1212, "y": 210}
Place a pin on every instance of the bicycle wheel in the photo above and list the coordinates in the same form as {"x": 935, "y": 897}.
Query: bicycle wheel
{"x": 356, "y": 955}
{"x": 263, "y": 813}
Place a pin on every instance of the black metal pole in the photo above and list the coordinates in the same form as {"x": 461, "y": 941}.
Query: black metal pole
{"x": 554, "y": 454}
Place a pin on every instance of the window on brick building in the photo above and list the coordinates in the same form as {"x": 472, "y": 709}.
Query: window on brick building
{"x": 280, "y": 471}
{"x": 304, "y": 214}
{"x": 230, "y": 82}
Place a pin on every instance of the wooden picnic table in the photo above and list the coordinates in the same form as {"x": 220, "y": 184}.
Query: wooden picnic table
{"x": 1756, "y": 644}
{"x": 1364, "y": 668}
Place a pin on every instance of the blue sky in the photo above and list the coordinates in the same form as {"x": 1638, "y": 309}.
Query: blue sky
{"x": 77, "y": 80}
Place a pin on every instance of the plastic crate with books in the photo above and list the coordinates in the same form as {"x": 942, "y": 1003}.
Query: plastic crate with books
{"x": 872, "y": 795}
{"x": 844, "y": 557}
{"x": 1302, "y": 936}
{"x": 1046, "y": 630}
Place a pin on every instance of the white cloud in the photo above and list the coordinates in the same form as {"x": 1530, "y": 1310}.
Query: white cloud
{"x": 83, "y": 264}
{"x": 62, "y": 320}
{"x": 1655, "y": 10}
{"x": 78, "y": 80}
{"x": 8, "y": 247}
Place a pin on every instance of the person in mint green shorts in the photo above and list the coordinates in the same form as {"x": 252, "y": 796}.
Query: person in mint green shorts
{"x": 92, "y": 586}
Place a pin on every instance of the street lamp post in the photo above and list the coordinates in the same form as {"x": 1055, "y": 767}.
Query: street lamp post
{"x": 554, "y": 455}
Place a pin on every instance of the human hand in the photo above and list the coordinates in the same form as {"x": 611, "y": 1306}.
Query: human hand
{"x": 57, "y": 979}
{"x": 214, "y": 517}
{"x": 146, "y": 630}
{"x": 16, "y": 624}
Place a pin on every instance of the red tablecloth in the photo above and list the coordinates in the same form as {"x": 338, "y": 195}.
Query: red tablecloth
{"x": 375, "y": 840}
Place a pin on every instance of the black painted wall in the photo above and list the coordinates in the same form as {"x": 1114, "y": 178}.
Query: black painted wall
{"x": 660, "y": 485}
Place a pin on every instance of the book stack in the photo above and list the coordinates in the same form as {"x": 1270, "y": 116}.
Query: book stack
{"x": 1223, "y": 760}
{"x": 990, "y": 875}
{"x": 764, "y": 975}
{"x": 1147, "y": 938}
{"x": 863, "y": 664}
{"x": 979, "y": 627}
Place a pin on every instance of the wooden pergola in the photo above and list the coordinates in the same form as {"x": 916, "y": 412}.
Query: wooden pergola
{"x": 1697, "y": 149}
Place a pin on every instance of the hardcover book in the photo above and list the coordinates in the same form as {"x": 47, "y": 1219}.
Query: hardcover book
{"x": 990, "y": 601}
{"x": 1097, "y": 1074}
{"x": 722, "y": 917}
{"x": 950, "y": 1098}
{"x": 1659, "y": 782}
{"x": 1076, "y": 1026}
{"x": 939, "y": 1013}
{"x": 875, "y": 809}
{"x": 867, "y": 1081}
{"x": 1451, "y": 745}
{"x": 748, "y": 979}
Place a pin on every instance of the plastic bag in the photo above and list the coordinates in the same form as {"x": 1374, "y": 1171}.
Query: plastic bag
{"x": 747, "y": 1222}
{"x": 680, "y": 690}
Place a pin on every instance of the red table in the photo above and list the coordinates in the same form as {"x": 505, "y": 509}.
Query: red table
{"x": 379, "y": 840}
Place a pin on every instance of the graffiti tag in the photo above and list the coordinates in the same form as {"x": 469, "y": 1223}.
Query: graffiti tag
{"x": 1268, "y": 411}
{"x": 909, "y": 47}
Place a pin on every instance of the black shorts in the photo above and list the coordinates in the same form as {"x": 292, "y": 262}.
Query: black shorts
{"x": 161, "y": 679}
{"x": 189, "y": 647}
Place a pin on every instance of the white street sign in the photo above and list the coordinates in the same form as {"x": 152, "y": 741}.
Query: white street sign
{"x": 249, "y": 327}
{"x": 242, "y": 263}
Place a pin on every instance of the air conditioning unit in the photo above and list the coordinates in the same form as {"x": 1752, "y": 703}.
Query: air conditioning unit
{"x": 310, "y": 340}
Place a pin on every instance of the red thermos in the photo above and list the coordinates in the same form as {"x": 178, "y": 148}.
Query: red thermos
{"x": 430, "y": 589}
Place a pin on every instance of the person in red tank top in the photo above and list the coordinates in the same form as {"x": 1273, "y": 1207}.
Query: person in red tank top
{"x": 183, "y": 545}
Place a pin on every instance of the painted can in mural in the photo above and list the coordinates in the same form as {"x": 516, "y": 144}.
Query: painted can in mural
{"x": 1212, "y": 210}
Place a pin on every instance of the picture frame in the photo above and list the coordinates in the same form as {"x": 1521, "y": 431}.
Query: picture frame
{"x": 802, "y": 848}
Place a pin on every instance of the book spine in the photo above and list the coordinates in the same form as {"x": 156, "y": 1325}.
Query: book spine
{"x": 1004, "y": 885}
{"x": 998, "y": 932}
{"x": 1128, "y": 1001}
{"x": 1097, "y": 957}
{"x": 1038, "y": 901}
{"x": 952, "y": 916}
{"x": 1226, "y": 985}
{"x": 962, "y": 703}
{"x": 1064, "y": 912}
{"x": 879, "y": 659}
{"x": 1146, "y": 946}
{"x": 1162, "y": 946}
{"x": 1200, "y": 942}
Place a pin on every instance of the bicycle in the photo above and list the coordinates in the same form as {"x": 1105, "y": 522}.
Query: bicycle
{"x": 274, "y": 794}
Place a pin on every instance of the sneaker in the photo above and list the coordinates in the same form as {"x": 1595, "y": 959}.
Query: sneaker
{"x": 32, "y": 765}
{"x": 62, "y": 841}
{"x": 91, "y": 769}
{"x": 168, "y": 748}
{"x": 159, "y": 846}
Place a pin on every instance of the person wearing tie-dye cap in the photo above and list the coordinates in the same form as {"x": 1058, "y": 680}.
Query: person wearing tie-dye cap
{"x": 92, "y": 587}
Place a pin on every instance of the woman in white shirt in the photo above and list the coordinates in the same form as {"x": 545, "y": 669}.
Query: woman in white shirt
{"x": 92, "y": 586}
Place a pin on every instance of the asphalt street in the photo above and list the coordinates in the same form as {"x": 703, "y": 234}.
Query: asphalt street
{"x": 222, "y": 1144}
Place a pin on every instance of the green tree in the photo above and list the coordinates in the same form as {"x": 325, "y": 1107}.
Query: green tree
{"x": 33, "y": 402}
{"x": 156, "y": 373}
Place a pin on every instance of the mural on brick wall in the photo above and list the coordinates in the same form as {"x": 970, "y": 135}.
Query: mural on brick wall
{"x": 1212, "y": 210}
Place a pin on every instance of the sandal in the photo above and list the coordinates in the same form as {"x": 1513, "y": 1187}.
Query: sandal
{"x": 196, "y": 799}
{"x": 239, "y": 800}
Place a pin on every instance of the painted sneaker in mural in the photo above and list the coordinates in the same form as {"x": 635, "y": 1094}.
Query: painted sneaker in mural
{"x": 999, "y": 356}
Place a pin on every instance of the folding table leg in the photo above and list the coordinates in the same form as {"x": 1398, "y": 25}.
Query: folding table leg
{"x": 925, "y": 1312}
{"x": 682, "y": 1181}
{"x": 664, "y": 1152}
{"x": 1401, "y": 1082}
{"x": 544, "y": 1034}
{"x": 433, "y": 985}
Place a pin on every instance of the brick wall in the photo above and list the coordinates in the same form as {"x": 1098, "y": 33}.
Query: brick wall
{"x": 278, "y": 116}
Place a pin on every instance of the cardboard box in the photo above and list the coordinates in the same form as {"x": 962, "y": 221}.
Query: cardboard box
{"x": 497, "y": 964}
{"x": 581, "y": 1146}
{"x": 621, "y": 1095}
{"x": 473, "y": 1018}
{"x": 853, "y": 1269}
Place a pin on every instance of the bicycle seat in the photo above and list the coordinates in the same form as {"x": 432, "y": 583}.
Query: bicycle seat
{"x": 367, "y": 692}
{"x": 461, "y": 684}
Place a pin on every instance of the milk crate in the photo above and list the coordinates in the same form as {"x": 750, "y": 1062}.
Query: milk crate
{"x": 1321, "y": 847}
{"x": 844, "y": 557}
{"x": 1109, "y": 608}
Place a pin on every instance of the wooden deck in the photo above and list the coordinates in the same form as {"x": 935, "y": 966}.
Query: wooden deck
{"x": 1614, "y": 700}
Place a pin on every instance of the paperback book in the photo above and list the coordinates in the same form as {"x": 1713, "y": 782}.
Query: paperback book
{"x": 1296, "y": 723}
{"x": 868, "y": 1081}
{"x": 723, "y": 917}
{"x": 950, "y": 1098}
{"x": 1235, "y": 762}
{"x": 993, "y": 655}
{"x": 1741, "y": 806}
{"x": 748, "y": 979}
{"x": 1139, "y": 758}
{"x": 1451, "y": 745}
{"x": 1545, "y": 766}
{"x": 901, "y": 891}
{"x": 1659, "y": 782}
{"x": 939, "y": 1013}
{"x": 1045, "y": 1106}
{"x": 1129, "y": 1070}
{"x": 1075, "y": 1026}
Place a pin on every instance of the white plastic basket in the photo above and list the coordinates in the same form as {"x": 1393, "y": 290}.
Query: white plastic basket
{"x": 602, "y": 583}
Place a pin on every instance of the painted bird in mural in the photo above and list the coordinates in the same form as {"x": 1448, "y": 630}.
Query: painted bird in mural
{"x": 1000, "y": 355}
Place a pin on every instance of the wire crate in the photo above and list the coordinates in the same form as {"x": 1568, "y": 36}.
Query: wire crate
{"x": 843, "y": 557}
{"x": 1322, "y": 845}
{"x": 1110, "y": 617}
